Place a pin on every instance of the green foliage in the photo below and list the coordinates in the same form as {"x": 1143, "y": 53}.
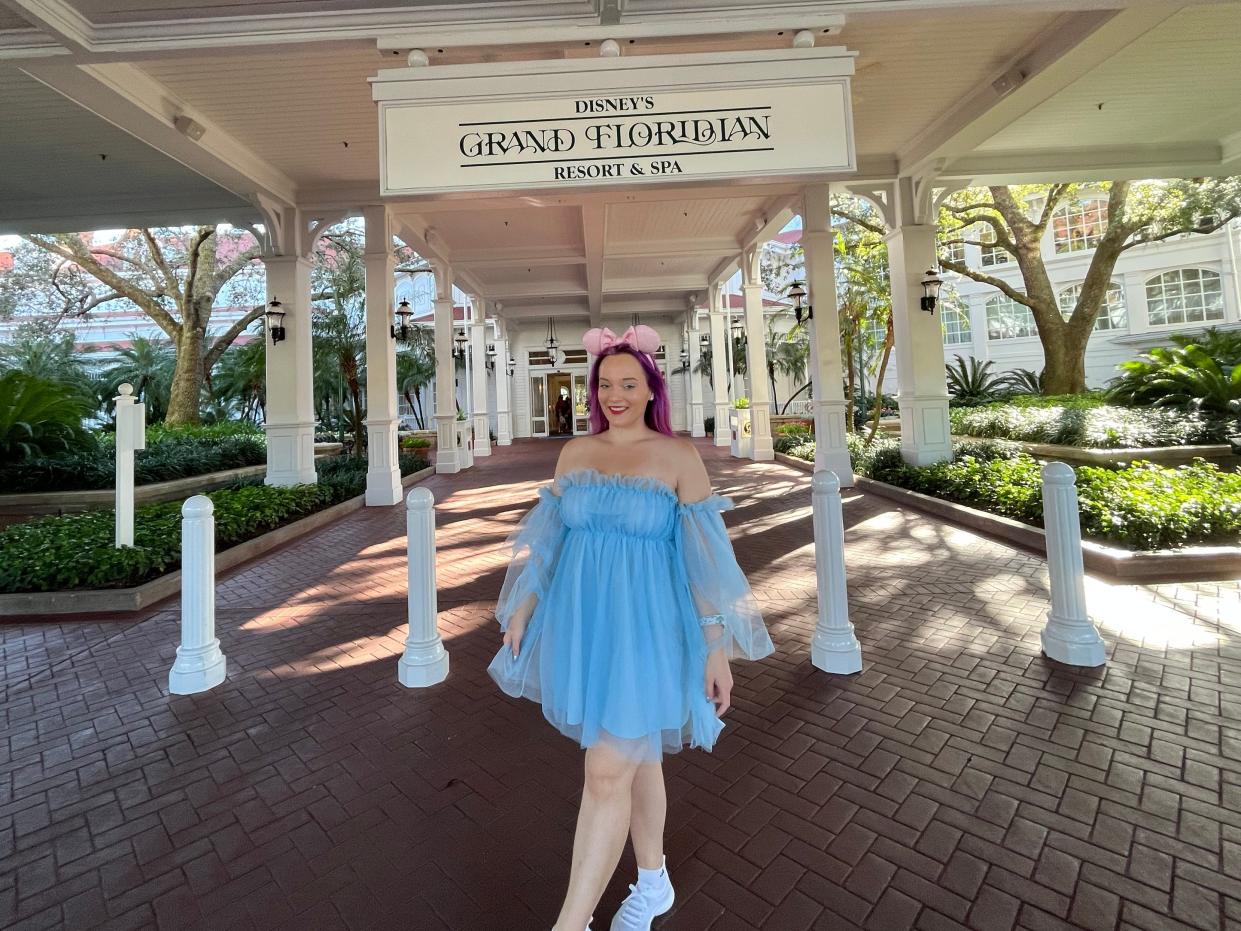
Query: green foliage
{"x": 971, "y": 382}
{"x": 1200, "y": 373}
{"x": 416, "y": 442}
{"x": 1086, "y": 423}
{"x": 708, "y": 425}
{"x": 170, "y": 454}
{"x": 742, "y": 404}
{"x": 881, "y": 452}
{"x": 39, "y": 418}
{"x": 76, "y": 551}
{"x": 1024, "y": 381}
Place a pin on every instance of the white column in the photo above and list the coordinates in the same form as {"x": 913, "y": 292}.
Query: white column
{"x": 447, "y": 458}
{"x": 425, "y": 661}
{"x": 719, "y": 364}
{"x": 290, "y": 411}
{"x": 925, "y": 434}
{"x": 130, "y": 436}
{"x": 199, "y": 665}
{"x": 504, "y": 394}
{"x": 834, "y": 647}
{"x": 383, "y": 474}
{"x": 696, "y": 427}
{"x": 756, "y": 356}
{"x": 827, "y": 382}
{"x": 1069, "y": 636}
{"x": 478, "y": 375}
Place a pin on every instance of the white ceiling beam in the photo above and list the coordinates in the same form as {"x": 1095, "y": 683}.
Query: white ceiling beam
{"x": 1053, "y": 61}
{"x": 131, "y": 100}
{"x": 518, "y": 256}
{"x": 594, "y": 235}
{"x": 673, "y": 248}
{"x": 1094, "y": 164}
{"x": 655, "y": 285}
{"x": 56, "y": 19}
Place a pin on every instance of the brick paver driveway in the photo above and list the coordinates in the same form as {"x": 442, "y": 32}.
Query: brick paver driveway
{"x": 960, "y": 780}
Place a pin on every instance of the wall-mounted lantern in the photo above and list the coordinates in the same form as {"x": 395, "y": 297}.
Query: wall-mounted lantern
{"x": 400, "y": 330}
{"x": 798, "y": 293}
{"x": 459, "y": 340}
{"x": 275, "y": 320}
{"x": 931, "y": 286}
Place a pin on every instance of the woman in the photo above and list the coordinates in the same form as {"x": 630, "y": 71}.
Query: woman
{"x": 620, "y": 611}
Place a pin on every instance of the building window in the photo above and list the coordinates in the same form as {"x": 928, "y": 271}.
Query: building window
{"x": 1187, "y": 295}
{"x": 1078, "y": 227}
{"x": 955, "y": 321}
{"x": 992, "y": 254}
{"x": 1006, "y": 319}
{"x": 953, "y": 251}
{"x": 1112, "y": 316}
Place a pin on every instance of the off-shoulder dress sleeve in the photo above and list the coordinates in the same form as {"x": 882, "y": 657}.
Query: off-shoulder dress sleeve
{"x": 720, "y": 590}
{"x": 535, "y": 546}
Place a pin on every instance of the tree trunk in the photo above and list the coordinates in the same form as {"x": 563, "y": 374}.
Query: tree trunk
{"x": 1065, "y": 369}
{"x": 889, "y": 340}
{"x": 187, "y": 379}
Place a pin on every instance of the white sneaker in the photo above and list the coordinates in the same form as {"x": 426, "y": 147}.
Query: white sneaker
{"x": 642, "y": 906}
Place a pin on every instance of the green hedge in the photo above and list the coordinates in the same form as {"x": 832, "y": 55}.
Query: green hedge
{"x": 76, "y": 551}
{"x": 167, "y": 456}
{"x": 1087, "y": 423}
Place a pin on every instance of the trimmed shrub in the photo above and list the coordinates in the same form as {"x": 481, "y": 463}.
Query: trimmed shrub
{"x": 1088, "y": 425}
{"x": 76, "y": 550}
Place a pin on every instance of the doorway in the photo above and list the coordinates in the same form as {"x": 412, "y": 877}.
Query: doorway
{"x": 558, "y": 404}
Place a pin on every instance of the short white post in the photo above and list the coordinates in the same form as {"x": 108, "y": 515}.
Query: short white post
{"x": 425, "y": 661}
{"x": 834, "y": 647}
{"x": 130, "y": 436}
{"x": 200, "y": 664}
{"x": 1070, "y": 636}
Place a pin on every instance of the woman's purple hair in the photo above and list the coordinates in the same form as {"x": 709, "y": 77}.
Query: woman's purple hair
{"x": 658, "y": 412}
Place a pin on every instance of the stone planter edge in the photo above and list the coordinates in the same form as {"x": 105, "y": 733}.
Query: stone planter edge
{"x": 100, "y": 601}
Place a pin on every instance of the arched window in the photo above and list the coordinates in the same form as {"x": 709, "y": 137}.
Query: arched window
{"x": 955, "y": 321}
{"x": 992, "y": 254}
{"x": 1079, "y": 226}
{"x": 1186, "y": 295}
{"x": 1006, "y": 319}
{"x": 1112, "y": 316}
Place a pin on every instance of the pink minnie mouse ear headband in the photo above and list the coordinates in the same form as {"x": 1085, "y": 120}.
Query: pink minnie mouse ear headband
{"x": 640, "y": 337}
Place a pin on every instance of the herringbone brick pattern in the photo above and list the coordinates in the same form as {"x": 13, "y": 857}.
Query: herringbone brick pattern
{"x": 961, "y": 780}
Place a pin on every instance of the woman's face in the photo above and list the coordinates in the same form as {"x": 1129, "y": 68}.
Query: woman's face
{"x": 623, "y": 392}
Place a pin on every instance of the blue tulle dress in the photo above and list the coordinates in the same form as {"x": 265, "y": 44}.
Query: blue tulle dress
{"x": 623, "y": 573}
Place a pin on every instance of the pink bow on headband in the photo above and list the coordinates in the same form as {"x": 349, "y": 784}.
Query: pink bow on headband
{"x": 640, "y": 337}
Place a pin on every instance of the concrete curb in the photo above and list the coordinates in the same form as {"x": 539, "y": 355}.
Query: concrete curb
{"x": 103, "y": 601}
{"x": 1195, "y": 563}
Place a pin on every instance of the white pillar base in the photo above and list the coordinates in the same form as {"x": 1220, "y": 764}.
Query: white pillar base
{"x": 1066, "y": 641}
{"x": 383, "y": 474}
{"x": 447, "y": 459}
{"x": 482, "y": 435}
{"x": 197, "y": 669}
{"x": 831, "y": 450}
{"x": 723, "y": 436}
{"x": 422, "y": 664}
{"x": 760, "y": 417}
{"x": 836, "y": 653}
{"x": 695, "y": 421}
{"x": 504, "y": 428}
{"x": 926, "y": 436}
{"x": 290, "y": 453}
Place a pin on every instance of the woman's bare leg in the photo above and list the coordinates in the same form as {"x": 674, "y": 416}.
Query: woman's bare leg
{"x": 602, "y": 823}
{"x": 650, "y": 810}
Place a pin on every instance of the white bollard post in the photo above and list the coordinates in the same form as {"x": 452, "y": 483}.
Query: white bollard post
{"x": 130, "y": 436}
{"x": 425, "y": 661}
{"x": 200, "y": 664}
{"x": 834, "y": 648}
{"x": 1070, "y": 636}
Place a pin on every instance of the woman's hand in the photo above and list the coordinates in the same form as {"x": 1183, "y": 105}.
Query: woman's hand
{"x": 513, "y": 634}
{"x": 719, "y": 681}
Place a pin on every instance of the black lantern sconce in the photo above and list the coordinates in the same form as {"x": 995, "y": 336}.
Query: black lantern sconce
{"x": 400, "y": 330}
{"x": 511, "y": 365}
{"x": 491, "y": 357}
{"x": 458, "y": 342}
{"x": 797, "y": 292}
{"x": 275, "y": 320}
{"x": 930, "y": 291}
{"x": 552, "y": 343}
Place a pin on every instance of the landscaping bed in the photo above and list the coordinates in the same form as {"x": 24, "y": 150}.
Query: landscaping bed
{"x": 72, "y": 552}
{"x": 1140, "y": 507}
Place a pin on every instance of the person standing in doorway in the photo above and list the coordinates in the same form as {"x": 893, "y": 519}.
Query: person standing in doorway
{"x": 620, "y": 611}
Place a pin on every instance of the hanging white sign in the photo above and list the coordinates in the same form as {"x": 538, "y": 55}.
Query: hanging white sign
{"x": 795, "y": 122}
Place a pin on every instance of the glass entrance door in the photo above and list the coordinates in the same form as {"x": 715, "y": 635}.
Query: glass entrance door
{"x": 581, "y": 416}
{"x": 538, "y": 405}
